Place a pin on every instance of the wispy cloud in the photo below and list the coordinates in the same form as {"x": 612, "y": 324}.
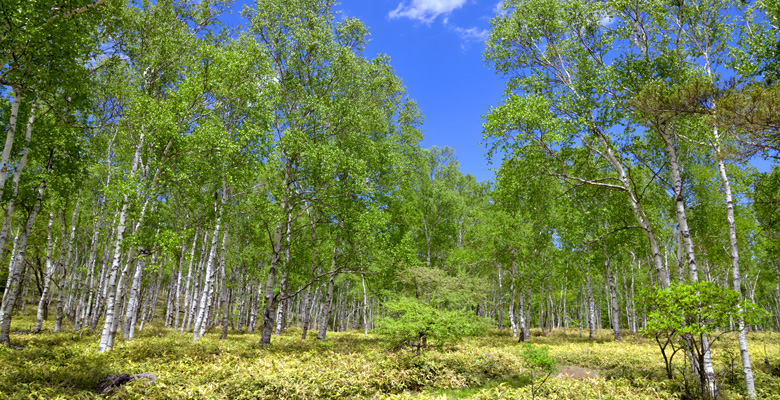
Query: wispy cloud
{"x": 499, "y": 8}
{"x": 472, "y": 34}
{"x": 425, "y": 10}
{"x": 606, "y": 20}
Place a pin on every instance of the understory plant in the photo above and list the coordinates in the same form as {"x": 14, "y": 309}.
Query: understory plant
{"x": 415, "y": 323}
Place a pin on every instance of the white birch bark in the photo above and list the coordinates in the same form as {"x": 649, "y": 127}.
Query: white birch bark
{"x": 119, "y": 298}
{"x": 281, "y": 314}
{"x": 9, "y": 210}
{"x": 591, "y": 306}
{"x": 513, "y": 294}
{"x": 271, "y": 299}
{"x": 225, "y": 291}
{"x": 67, "y": 266}
{"x": 615, "y": 309}
{"x": 736, "y": 276}
{"x": 223, "y": 275}
{"x": 42, "y": 303}
{"x": 638, "y": 211}
{"x": 89, "y": 284}
{"x": 172, "y": 316}
{"x": 365, "y": 302}
{"x": 188, "y": 285}
{"x": 682, "y": 223}
{"x": 323, "y": 328}
{"x": 15, "y": 273}
{"x": 9, "y": 138}
{"x": 102, "y": 283}
{"x": 500, "y": 296}
{"x": 208, "y": 284}
{"x": 11, "y": 266}
{"x": 629, "y": 316}
{"x": 106, "y": 341}
{"x": 131, "y": 310}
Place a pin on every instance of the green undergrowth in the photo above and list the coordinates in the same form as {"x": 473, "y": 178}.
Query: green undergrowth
{"x": 351, "y": 365}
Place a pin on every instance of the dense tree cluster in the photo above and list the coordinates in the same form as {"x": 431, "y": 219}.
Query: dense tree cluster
{"x": 159, "y": 166}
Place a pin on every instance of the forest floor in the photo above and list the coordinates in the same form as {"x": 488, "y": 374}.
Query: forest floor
{"x": 351, "y": 365}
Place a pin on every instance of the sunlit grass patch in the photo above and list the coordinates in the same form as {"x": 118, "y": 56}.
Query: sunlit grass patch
{"x": 352, "y": 365}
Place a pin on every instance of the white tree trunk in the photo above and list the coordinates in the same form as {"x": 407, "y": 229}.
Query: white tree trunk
{"x": 323, "y": 328}
{"x": 106, "y": 341}
{"x": 365, "y": 303}
{"x": 638, "y": 211}
{"x": 42, "y": 303}
{"x": 281, "y": 313}
{"x": 615, "y": 313}
{"x": 16, "y": 272}
{"x": 133, "y": 301}
{"x": 17, "y": 174}
{"x": 190, "y": 285}
{"x": 591, "y": 307}
{"x": 9, "y": 138}
{"x": 67, "y": 265}
{"x": 736, "y": 276}
{"x": 208, "y": 285}
{"x": 682, "y": 223}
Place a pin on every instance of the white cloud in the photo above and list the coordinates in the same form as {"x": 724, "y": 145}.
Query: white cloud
{"x": 499, "y": 8}
{"x": 472, "y": 34}
{"x": 425, "y": 10}
{"x": 607, "y": 20}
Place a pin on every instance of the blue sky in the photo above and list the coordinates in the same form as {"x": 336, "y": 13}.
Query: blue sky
{"x": 435, "y": 47}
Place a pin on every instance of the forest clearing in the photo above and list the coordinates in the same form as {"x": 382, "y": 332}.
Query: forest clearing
{"x": 205, "y": 199}
{"x": 352, "y": 365}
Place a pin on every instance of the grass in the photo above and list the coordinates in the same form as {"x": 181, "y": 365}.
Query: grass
{"x": 350, "y": 365}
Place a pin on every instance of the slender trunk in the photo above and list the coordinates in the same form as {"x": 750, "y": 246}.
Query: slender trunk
{"x": 500, "y": 299}
{"x": 270, "y": 298}
{"x": 591, "y": 306}
{"x": 579, "y": 309}
{"x": 17, "y": 170}
{"x": 528, "y": 310}
{"x": 613, "y": 300}
{"x": 626, "y": 298}
{"x": 68, "y": 267}
{"x": 102, "y": 287}
{"x": 365, "y": 303}
{"x": 736, "y": 277}
{"x": 9, "y": 139}
{"x": 42, "y": 303}
{"x": 563, "y": 306}
{"x": 636, "y": 207}
{"x": 15, "y": 273}
{"x": 633, "y": 305}
{"x": 208, "y": 285}
{"x": 682, "y": 223}
{"x": 427, "y": 243}
{"x": 329, "y": 297}
{"x": 225, "y": 293}
{"x": 777, "y": 291}
{"x": 119, "y": 297}
{"x": 281, "y": 313}
{"x": 255, "y": 304}
{"x": 172, "y": 309}
{"x": 190, "y": 284}
{"x": 307, "y": 298}
{"x": 133, "y": 300}
{"x": 513, "y": 294}
{"x": 89, "y": 283}
{"x": 106, "y": 341}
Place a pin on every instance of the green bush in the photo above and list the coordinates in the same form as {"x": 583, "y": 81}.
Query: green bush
{"x": 414, "y": 323}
